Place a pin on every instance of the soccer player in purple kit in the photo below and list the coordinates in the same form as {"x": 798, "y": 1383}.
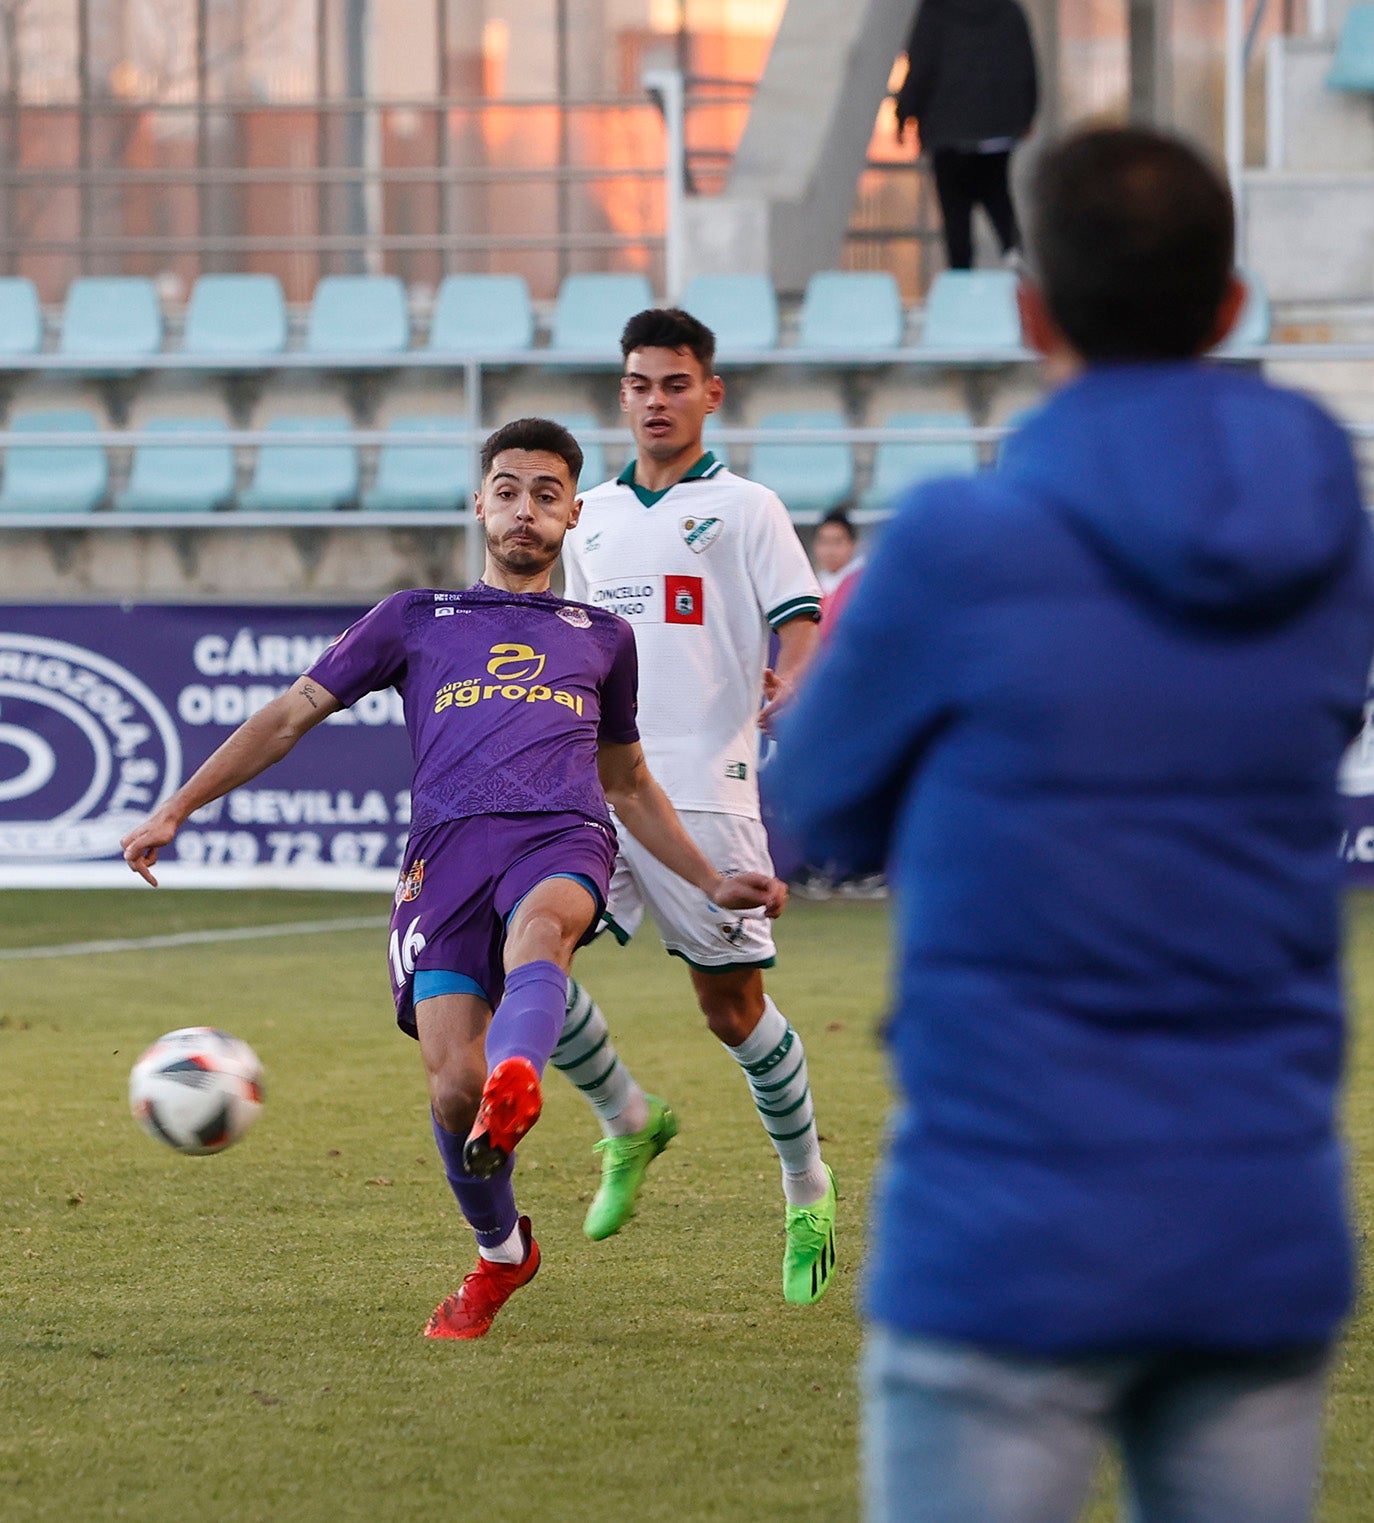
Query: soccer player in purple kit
{"x": 521, "y": 712}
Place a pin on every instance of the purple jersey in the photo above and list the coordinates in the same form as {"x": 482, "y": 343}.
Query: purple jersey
{"x": 506, "y": 696}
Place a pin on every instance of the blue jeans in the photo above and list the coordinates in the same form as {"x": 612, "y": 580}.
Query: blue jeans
{"x": 957, "y": 1434}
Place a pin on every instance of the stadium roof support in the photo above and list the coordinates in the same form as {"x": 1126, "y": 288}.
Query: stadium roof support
{"x": 1151, "y": 75}
{"x": 786, "y": 208}
{"x": 791, "y": 189}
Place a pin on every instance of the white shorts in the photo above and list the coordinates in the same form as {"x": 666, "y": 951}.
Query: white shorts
{"x": 692, "y": 928}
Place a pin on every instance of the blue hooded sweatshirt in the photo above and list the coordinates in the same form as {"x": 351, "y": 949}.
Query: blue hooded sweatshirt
{"x": 1088, "y": 713}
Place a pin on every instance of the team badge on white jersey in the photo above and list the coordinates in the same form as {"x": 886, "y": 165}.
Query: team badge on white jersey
{"x": 700, "y": 533}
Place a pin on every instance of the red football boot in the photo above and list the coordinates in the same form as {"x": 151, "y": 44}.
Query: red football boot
{"x": 471, "y": 1309}
{"x": 511, "y": 1102}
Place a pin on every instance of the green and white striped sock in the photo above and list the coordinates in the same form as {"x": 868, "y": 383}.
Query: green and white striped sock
{"x": 585, "y": 1054}
{"x": 774, "y": 1063}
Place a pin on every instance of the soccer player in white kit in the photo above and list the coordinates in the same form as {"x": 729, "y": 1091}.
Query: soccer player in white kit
{"x": 705, "y": 566}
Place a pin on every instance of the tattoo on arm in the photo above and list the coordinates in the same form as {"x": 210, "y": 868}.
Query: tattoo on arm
{"x": 308, "y": 693}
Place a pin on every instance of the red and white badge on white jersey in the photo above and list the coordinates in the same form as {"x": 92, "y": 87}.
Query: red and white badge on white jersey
{"x": 652, "y": 599}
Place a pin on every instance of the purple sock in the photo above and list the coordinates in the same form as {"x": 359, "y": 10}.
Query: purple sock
{"x": 487, "y": 1204}
{"x": 529, "y": 1019}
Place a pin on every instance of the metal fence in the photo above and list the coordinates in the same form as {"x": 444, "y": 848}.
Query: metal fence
{"x": 981, "y": 369}
{"x": 417, "y": 188}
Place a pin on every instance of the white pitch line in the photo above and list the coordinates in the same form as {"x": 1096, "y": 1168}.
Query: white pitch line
{"x": 196, "y": 938}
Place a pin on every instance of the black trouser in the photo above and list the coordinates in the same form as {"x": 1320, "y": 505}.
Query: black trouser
{"x": 963, "y": 181}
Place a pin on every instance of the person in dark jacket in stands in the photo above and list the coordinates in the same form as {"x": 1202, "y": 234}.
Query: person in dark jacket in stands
{"x": 1089, "y": 710}
{"x": 970, "y": 88}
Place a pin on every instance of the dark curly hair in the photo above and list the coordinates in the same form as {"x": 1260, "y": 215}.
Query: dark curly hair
{"x": 533, "y": 434}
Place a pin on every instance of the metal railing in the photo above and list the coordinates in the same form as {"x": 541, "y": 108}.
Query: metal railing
{"x": 418, "y": 187}
{"x": 470, "y": 436}
{"x": 473, "y": 430}
{"x": 356, "y": 183}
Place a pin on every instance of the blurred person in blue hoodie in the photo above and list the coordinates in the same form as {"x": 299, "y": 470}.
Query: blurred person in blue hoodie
{"x": 1087, "y": 711}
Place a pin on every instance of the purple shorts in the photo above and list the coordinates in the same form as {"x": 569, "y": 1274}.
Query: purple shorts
{"x": 460, "y": 882}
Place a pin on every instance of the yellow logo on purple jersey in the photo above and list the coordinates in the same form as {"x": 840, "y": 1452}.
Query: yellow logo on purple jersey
{"x": 516, "y": 666}
{"x": 515, "y": 663}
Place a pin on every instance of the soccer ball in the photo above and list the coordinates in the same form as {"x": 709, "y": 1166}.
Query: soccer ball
{"x": 196, "y": 1089}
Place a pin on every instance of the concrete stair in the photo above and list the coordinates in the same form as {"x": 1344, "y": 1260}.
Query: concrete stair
{"x": 1309, "y": 214}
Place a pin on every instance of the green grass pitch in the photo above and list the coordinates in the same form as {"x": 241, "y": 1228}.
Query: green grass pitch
{"x": 237, "y": 1338}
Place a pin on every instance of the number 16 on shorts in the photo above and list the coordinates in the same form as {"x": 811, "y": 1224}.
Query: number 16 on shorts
{"x": 403, "y": 952}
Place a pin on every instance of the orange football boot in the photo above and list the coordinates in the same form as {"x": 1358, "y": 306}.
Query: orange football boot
{"x": 511, "y": 1102}
{"x": 471, "y": 1309}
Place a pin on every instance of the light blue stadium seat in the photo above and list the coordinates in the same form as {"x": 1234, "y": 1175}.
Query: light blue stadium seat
{"x": 851, "y": 309}
{"x": 21, "y": 316}
{"x": 54, "y": 478}
{"x": 415, "y": 476}
{"x": 741, "y": 310}
{"x": 810, "y": 478}
{"x": 711, "y": 439}
{"x": 1353, "y": 66}
{"x": 1255, "y": 322}
{"x": 358, "y": 314}
{"x": 303, "y": 478}
{"x": 236, "y": 315}
{"x": 592, "y": 311}
{"x": 898, "y": 465}
{"x": 972, "y": 310}
{"x": 479, "y": 314}
{"x": 115, "y": 315}
{"x": 188, "y": 478}
{"x": 594, "y": 470}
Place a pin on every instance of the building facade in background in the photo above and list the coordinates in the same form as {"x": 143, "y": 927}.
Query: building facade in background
{"x": 307, "y": 137}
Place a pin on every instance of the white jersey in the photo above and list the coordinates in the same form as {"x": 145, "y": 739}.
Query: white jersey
{"x": 702, "y": 571}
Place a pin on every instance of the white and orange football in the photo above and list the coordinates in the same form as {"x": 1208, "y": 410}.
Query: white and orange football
{"x": 197, "y": 1089}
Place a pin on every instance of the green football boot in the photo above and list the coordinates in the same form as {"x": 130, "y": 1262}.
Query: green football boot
{"x": 624, "y": 1163}
{"x": 808, "y": 1261}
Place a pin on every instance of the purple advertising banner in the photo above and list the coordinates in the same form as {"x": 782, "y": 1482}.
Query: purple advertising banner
{"x": 105, "y": 710}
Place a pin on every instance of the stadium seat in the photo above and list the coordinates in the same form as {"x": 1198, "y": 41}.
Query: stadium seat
{"x": 303, "y": 477}
{"x": 188, "y": 478}
{"x": 710, "y": 437}
{"x": 481, "y": 314}
{"x": 594, "y": 469}
{"x": 810, "y": 478}
{"x": 54, "y": 478}
{"x": 898, "y": 465}
{"x": 358, "y": 314}
{"x": 1353, "y": 66}
{"x": 21, "y": 317}
{"x": 115, "y": 315}
{"x": 741, "y": 310}
{"x": 238, "y": 315}
{"x": 972, "y": 310}
{"x": 593, "y": 309}
{"x": 1255, "y": 322}
{"x": 851, "y": 309}
{"x": 415, "y": 476}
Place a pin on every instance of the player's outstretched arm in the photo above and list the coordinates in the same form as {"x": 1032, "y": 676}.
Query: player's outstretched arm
{"x": 258, "y": 742}
{"x": 644, "y": 810}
